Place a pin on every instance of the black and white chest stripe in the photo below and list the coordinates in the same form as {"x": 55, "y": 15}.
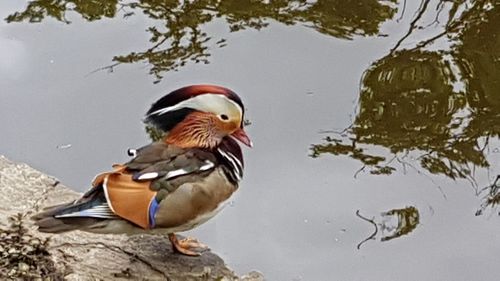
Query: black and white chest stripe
{"x": 233, "y": 163}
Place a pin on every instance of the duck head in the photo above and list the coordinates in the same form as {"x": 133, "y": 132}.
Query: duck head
{"x": 199, "y": 116}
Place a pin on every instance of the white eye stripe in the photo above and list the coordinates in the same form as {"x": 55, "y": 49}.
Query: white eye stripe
{"x": 209, "y": 102}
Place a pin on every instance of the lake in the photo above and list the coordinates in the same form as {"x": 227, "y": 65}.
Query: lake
{"x": 375, "y": 123}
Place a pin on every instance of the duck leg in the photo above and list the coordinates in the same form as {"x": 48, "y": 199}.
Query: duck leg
{"x": 185, "y": 245}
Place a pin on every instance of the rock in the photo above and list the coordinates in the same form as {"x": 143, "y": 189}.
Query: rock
{"x": 252, "y": 276}
{"x": 80, "y": 255}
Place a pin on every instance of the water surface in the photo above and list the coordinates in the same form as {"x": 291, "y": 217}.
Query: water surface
{"x": 388, "y": 108}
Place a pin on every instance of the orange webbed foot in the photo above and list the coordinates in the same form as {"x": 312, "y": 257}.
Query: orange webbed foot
{"x": 185, "y": 246}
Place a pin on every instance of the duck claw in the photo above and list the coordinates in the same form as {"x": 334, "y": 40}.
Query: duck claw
{"x": 185, "y": 246}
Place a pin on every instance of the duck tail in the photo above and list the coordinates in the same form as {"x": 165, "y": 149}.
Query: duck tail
{"x": 81, "y": 214}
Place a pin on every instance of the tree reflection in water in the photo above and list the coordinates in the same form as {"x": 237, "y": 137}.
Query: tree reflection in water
{"x": 433, "y": 109}
{"x": 177, "y": 37}
{"x": 439, "y": 108}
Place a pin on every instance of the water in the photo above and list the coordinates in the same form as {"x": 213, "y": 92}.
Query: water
{"x": 421, "y": 137}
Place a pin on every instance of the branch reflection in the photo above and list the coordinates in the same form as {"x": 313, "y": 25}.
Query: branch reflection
{"x": 436, "y": 109}
{"x": 177, "y": 36}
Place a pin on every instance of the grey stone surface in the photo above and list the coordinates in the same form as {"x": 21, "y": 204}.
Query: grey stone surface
{"x": 85, "y": 256}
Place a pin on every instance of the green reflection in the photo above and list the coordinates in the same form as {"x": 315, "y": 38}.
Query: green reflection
{"x": 36, "y": 11}
{"x": 478, "y": 53}
{"x": 177, "y": 37}
{"x": 437, "y": 109}
{"x": 154, "y": 133}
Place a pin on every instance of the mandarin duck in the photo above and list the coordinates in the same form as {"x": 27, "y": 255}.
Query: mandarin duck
{"x": 171, "y": 185}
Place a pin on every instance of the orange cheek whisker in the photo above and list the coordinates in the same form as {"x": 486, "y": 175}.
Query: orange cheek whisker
{"x": 197, "y": 130}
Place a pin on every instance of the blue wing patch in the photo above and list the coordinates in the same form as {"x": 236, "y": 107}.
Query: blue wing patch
{"x": 153, "y": 207}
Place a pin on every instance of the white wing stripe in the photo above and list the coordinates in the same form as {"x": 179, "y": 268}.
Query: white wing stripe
{"x": 100, "y": 211}
{"x": 176, "y": 173}
{"x": 148, "y": 176}
{"x": 208, "y": 165}
{"x": 181, "y": 172}
{"x": 105, "y": 188}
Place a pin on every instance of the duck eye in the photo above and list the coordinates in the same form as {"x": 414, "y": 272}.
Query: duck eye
{"x": 224, "y": 117}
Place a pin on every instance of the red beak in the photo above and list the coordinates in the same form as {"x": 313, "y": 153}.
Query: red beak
{"x": 242, "y": 137}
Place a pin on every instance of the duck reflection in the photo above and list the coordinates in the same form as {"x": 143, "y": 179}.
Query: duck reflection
{"x": 392, "y": 224}
{"x": 177, "y": 36}
{"x": 399, "y": 222}
{"x": 433, "y": 109}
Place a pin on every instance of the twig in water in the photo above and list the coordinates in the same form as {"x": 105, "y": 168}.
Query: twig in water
{"x": 372, "y": 236}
